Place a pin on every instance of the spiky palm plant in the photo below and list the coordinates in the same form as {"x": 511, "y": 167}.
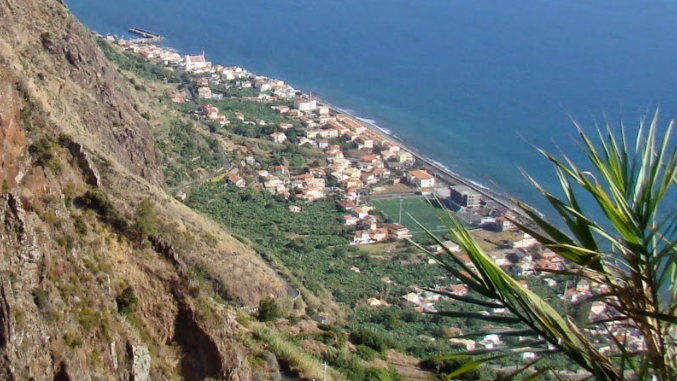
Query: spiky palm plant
{"x": 631, "y": 252}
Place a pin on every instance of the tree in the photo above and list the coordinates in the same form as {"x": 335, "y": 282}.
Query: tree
{"x": 145, "y": 218}
{"x": 268, "y": 310}
{"x": 126, "y": 301}
{"x": 630, "y": 254}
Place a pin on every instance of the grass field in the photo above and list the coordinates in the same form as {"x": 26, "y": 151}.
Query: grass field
{"x": 413, "y": 209}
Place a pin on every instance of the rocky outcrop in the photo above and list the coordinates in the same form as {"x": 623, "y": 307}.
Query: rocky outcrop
{"x": 89, "y": 170}
{"x": 12, "y": 135}
{"x": 208, "y": 351}
{"x": 69, "y": 122}
{"x": 140, "y": 363}
{"x": 45, "y": 43}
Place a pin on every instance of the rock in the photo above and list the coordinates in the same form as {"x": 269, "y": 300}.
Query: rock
{"x": 140, "y": 363}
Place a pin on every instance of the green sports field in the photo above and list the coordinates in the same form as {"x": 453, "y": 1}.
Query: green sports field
{"x": 413, "y": 209}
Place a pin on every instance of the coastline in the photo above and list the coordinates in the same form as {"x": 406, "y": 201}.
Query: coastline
{"x": 436, "y": 168}
{"x": 439, "y": 170}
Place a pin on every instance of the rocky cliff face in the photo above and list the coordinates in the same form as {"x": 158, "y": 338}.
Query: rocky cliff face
{"x": 81, "y": 296}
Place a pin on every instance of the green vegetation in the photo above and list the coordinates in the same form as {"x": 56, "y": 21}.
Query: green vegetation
{"x": 442, "y": 367}
{"x": 43, "y": 151}
{"x": 416, "y": 211}
{"x": 126, "y": 301}
{"x": 313, "y": 247}
{"x": 136, "y": 64}
{"x": 373, "y": 340}
{"x": 236, "y": 91}
{"x": 293, "y": 355}
{"x": 251, "y": 109}
{"x": 98, "y": 201}
{"x": 145, "y": 219}
{"x": 631, "y": 253}
{"x": 268, "y": 310}
{"x": 185, "y": 153}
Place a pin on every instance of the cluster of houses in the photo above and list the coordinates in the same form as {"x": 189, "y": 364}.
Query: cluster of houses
{"x": 233, "y": 76}
{"x": 532, "y": 261}
{"x": 525, "y": 257}
{"x": 149, "y": 51}
{"x": 368, "y": 228}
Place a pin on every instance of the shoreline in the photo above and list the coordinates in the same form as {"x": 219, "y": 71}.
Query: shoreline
{"x": 438, "y": 169}
{"x": 444, "y": 174}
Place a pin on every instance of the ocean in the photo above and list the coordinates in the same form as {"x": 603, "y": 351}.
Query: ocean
{"x": 473, "y": 84}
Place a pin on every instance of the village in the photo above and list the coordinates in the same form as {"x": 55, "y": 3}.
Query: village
{"x": 374, "y": 167}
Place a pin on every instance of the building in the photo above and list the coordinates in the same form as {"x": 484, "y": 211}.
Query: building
{"x": 421, "y": 179}
{"x": 360, "y": 237}
{"x": 204, "y": 92}
{"x": 278, "y": 137}
{"x": 405, "y": 157}
{"x": 398, "y": 231}
{"x": 194, "y": 63}
{"x": 363, "y": 143}
{"x": 349, "y": 220}
{"x": 378, "y": 234}
{"x": 465, "y": 196}
{"x": 235, "y": 180}
{"x": 303, "y": 104}
{"x": 178, "y": 96}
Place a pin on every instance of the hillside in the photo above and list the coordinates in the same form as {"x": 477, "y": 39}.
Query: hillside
{"x": 83, "y": 294}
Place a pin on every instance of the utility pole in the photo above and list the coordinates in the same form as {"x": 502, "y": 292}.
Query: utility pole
{"x": 324, "y": 373}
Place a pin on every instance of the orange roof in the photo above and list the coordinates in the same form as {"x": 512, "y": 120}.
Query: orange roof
{"x": 421, "y": 174}
{"x": 196, "y": 59}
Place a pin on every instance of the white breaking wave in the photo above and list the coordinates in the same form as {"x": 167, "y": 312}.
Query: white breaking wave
{"x": 373, "y": 123}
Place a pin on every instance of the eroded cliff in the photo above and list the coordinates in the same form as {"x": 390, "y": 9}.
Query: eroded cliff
{"x": 83, "y": 294}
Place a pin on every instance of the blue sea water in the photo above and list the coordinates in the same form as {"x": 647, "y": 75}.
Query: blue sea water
{"x": 473, "y": 84}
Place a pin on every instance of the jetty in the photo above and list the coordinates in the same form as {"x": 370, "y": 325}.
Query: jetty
{"x": 148, "y": 36}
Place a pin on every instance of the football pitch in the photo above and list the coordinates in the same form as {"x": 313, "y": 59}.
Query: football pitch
{"x": 413, "y": 209}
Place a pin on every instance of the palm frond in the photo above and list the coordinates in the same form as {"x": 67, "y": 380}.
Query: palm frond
{"x": 632, "y": 251}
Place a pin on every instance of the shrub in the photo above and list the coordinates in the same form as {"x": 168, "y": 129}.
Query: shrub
{"x": 365, "y": 352}
{"x": 268, "y": 310}
{"x": 126, "y": 301}
{"x": 72, "y": 339}
{"x": 373, "y": 340}
{"x": 98, "y": 201}
{"x": 43, "y": 151}
{"x": 41, "y": 299}
{"x": 145, "y": 218}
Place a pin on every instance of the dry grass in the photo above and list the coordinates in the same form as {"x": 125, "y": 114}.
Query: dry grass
{"x": 286, "y": 351}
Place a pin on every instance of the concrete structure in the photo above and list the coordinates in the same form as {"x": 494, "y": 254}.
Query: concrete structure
{"x": 421, "y": 179}
{"x": 398, "y": 231}
{"x": 305, "y": 104}
{"x": 465, "y": 196}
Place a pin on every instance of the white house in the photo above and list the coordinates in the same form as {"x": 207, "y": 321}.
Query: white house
{"x": 349, "y": 220}
{"x": 278, "y": 137}
{"x": 360, "y": 237}
{"x": 194, "y": 63}
{"x": 303, "y": 104}
{"x": 421, "y": 179}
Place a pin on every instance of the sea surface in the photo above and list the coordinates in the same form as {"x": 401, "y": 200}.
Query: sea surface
{"x": 473, "y": 84}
